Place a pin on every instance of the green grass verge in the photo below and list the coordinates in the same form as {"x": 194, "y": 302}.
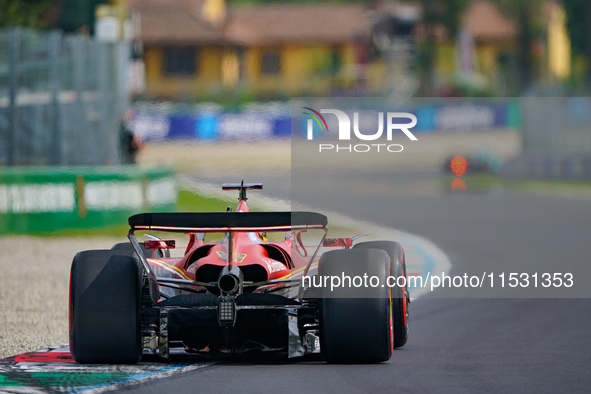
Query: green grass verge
{"x": 188, "y": 201}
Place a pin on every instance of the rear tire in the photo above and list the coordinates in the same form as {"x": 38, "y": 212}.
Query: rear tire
{"x": 105, "y": 308}
{"x": 399, "y": 294}
{"x": 355, "y": 323}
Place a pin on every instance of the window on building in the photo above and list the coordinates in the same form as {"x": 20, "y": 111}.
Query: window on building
{"x": 180, "y": 61}
{"x": 271, "y": 63}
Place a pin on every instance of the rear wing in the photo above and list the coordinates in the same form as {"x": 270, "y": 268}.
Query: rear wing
{"x": 227, "y": 221}
{"x": 219, "y": 222}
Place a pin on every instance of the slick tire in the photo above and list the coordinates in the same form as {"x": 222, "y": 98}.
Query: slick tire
{"x": 105, "y": 308}
{"x": 399, "y": 294}
{"x": 355, "y": 322}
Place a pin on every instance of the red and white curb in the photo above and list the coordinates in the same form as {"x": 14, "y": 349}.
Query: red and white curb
{"x": 54, "y": 370}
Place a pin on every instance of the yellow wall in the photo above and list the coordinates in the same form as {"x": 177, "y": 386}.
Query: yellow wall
{"x": 304, "y": 70}
{"x": 206, "y": 80}
{"x": 487, "y": 55}
{"x": 445, "y": 58}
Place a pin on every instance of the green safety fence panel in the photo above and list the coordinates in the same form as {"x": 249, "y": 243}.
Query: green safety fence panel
{"x": 45, "y": 199}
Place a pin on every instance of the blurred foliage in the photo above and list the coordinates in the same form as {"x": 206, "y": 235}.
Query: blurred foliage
{"x": 66, "y": 15}
{"x": 228, "y": 99}
{"x": 77, "y": 14}
{"x": 578, "y": 23}
{"x": 529, "y": 18}
{"x": 24, "y": 13}
{"x": 239, "y": 2}
{"x": 578, "y": 13}
{"x": 445, "y": 13}
{"x": 436, "y": 14}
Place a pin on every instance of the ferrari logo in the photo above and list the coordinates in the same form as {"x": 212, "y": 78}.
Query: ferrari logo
{"x": 238, "y": 257}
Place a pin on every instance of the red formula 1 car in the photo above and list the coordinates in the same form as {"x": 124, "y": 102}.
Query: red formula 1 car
{"x": 246, "y": 282}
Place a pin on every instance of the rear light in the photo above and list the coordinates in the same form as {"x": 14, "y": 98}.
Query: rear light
{"x": 458, "y": 165}
{"x": 226, "y": 311}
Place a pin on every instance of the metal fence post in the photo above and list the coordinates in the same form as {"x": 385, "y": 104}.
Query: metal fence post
{"x": 13, "y": 92}
{"x": 123, "y": 74}
{"x": 122, "y": 90}
{"x": 101, "y": 129}
{"x": 78, "y": 129}
{"x": 54, "y": 86}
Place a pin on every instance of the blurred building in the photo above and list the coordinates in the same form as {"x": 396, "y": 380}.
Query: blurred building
{"x": 201, "y": 48}
{"x": 484, "y": 56}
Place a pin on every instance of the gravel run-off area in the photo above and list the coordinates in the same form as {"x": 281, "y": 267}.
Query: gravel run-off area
{"x": 34, "y": 277}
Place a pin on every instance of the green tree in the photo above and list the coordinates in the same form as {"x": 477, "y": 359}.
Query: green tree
{"x": 578, "y": 24}
{"x": 528, "y": 18}
{"x": 444, "y": 14}
{"x": 76, "y": 14}
{"x": 66, "y": 15}
{"x": 24, "y": 13}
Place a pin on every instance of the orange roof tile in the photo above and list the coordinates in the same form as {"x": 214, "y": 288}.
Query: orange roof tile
{"x": 259, "y": 25}
{"x": 174, "y": 22}
{"x": 180, "y": 22}
{"x": 486, "y": 23}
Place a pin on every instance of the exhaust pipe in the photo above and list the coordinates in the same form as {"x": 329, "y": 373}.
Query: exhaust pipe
{"x": 230, "y": 281}
{"x": 228, "y": 284}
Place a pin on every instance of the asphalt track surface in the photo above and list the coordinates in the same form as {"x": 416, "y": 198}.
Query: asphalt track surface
{"x": 456, "y": 345}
